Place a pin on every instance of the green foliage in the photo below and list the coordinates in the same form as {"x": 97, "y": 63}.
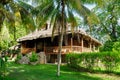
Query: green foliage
{"x": 4, "y": 44}
{"x": 111, "y": 46}
{"x": 108, "y": 46}
{"x": 116, "y": 47}
{"x": 13, "y": 51}
{"x": 33, "y": 57}
{"x": 19, "y": 56}
{"x": 3, "y": 66}
{"x": 109, "y": 28}
{"x": 106, "y": 61}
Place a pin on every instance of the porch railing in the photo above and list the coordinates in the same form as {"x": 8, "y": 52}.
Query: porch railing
{"x": 66, "y": 49}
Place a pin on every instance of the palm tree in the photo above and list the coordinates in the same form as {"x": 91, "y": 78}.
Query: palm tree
{"x": 26, "y": 15}
{"x": 30, "y": 14}
{"x": 59, "y": 12}
{"x": 7, "y": 16}
{"x": 10, "y": 10}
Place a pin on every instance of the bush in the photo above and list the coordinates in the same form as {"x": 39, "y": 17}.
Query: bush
{"x": 111, "y": 46}
{"x": 107, "y": 61}
{"x": 19, "y": 56}
{"x": 108, "y": 46}
{"x": 116, "y": 47}
{"x": 33, "y": 57}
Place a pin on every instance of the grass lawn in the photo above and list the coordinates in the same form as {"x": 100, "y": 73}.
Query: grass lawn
{"x": 48, "y": 72}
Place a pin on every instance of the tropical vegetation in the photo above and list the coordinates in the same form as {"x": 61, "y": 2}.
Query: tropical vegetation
{"x": 94, "y": 62}
{"x": 19, "y": 17}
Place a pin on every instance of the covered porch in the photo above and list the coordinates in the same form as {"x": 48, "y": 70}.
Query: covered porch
{"x": 68, "y": 49}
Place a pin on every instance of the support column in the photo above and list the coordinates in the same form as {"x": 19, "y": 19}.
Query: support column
{"x": 44, "y": 46}
{"x": 45, "y": 58}
{"x": 82, "y": 44}
{"x": 98, "y": 49}
{"x": 35, "y": 48}
{"x": 93, "y": 48}
{"x": 71, "y": 44}
{"x": 90, "y": 45}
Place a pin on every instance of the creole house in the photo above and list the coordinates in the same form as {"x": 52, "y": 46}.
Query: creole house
{"x": 41, "y": 42}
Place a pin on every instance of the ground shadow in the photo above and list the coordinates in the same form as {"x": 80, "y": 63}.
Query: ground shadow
{"x": 82, "y": 69}
{"x": 45, "y": 72}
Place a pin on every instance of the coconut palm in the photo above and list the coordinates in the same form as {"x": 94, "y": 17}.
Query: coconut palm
{"x": 60, "y": 12}
{"x": 26, "y": 15}
{"x": 7, "y": 16}
{"x": 5, "y": 12}
{"x": 12, "y": 13}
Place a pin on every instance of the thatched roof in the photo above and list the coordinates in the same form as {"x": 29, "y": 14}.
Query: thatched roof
{"x": 48, "y": 33}
{"x": 36, "y": 35}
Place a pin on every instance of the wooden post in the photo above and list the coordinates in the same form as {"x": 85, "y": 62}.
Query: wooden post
{"x": 44, "y": 45}
{"x": 71, "y": 44}
{"x": 98, "y": 49}
{"x": 35, "y": 42}
{"x": 90, "y": 45}
{"x": 44, "y": 48}
{"x": 82, "y": 44}
{"x": 93, "y": 47}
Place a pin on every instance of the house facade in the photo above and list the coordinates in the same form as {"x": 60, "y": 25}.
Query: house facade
{"x": 42, "y": 41}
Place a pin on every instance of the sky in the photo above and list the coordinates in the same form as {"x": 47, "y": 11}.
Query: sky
{"x": 119, "y": 21}
{"x": 89, "y": 6}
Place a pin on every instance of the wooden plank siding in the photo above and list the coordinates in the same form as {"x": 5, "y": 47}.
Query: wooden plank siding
{"x": 27, "y": 50}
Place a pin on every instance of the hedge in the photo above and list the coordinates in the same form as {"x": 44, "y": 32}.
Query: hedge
{"x": 107, "y": 61}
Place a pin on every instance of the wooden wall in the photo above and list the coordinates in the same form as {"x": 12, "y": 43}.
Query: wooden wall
{"x": 27, "y": 46}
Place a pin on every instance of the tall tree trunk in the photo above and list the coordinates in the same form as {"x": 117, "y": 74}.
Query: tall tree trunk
{"x": 61, "y": 38}
{"x": 113, "y": 23}
{"x": 113, "y": 33}
{"x": 14, "y": 33}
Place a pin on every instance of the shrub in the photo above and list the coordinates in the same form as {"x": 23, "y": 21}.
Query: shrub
{"x": 108, "y": 46}
{"x": 107, "y": 61}
{"x": 116, "y": 47}
{"x": 33, "y": 57}
{"x": 111, "y": 46}
{"x": 19, "y": 56}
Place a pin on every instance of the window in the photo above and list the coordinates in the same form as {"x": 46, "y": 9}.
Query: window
{"x": 29, "y": 44}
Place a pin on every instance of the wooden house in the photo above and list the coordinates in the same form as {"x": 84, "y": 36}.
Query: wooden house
{"x": 41, "y": 41}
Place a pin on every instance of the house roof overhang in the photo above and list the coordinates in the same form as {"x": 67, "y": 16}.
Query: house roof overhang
{"x": 48, "y": 33}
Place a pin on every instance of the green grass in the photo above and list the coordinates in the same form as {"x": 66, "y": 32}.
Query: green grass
{"x": 48, "y": 72}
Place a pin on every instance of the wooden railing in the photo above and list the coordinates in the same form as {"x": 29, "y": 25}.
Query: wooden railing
{"x": 66, "y": 49}
{"x": 27, "y": 50}
{"x": 85, "y": 49}
{"x": 54, "y": 50}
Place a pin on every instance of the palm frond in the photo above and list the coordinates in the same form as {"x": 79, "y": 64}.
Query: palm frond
{"x": 2, "y": 17}
{"x": 53, "y": 16}
{"x": 46, "y": 13}
{"x": 27, "y": 18}
{"x": 6, "y": 14}
{"x": 25, "y": 5}
{"x": 99, "y": 3}
{"x": 53, "y": 30}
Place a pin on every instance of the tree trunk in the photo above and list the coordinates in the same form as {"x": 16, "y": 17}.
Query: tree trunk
{"x": 113, "y": 34}
{"x": 113, "y": 24}
{"x": 61, "y": 39}
{"x": 14, "y": 33}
